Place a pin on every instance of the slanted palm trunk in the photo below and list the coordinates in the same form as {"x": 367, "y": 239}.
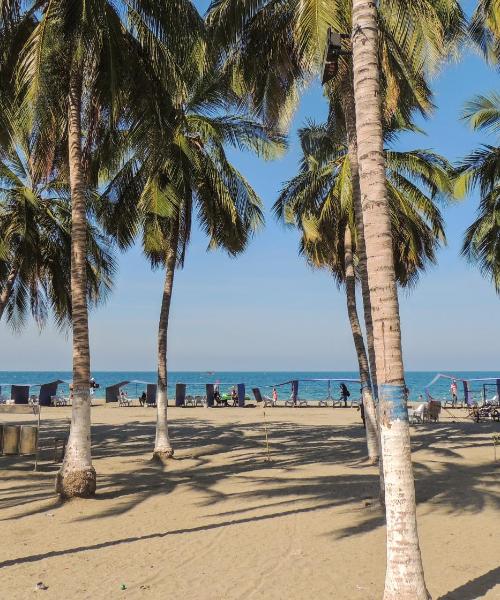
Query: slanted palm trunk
{"x": 359, "y": 344}
{"x": 7, "y": 290}
{"x": 404, "y": 575}
{"x": 77, "y": 476}
{"x": 372, "y": 435}
{"x": 349, "y": 109}
{"x": 163, "y": 448}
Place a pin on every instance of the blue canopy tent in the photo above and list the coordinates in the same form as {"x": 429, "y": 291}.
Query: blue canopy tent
{"x": 47, "y": 390}
{"x": 20, "y": 392}
{"x": 180, "y": 392}
{"x": 496, "y": 391}
{"x": 112, "y": 391}
{"x": 467, "y": 385}
{"x": 294, "y": 383}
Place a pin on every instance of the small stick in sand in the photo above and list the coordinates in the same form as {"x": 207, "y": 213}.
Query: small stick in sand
{"x": 268, "y": 458}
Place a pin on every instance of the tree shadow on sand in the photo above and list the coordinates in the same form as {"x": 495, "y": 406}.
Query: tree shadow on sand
{"x": 208, "y": 453}
{"x": 475, "y": 588}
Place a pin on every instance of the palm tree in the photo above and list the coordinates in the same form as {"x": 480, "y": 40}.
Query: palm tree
{"x": 167, "y": 177}
{"x": 285, "y": 41}
{"x": 481, "y": 168}
{"x": 320, "y": 201}
{"x": 35, "y": 226}
{"x": 412, "y": 42}
{"x": 85, "y": 65}
{"x": 404, "y": 574}
{"x": 484, "y": 29}
{"x": 276, "y": 49}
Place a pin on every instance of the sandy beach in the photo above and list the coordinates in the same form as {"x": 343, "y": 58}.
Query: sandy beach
{"x": 220, "y": 522}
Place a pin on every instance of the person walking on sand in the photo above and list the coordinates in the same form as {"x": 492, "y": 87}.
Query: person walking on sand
{"x": 344, "y": 393}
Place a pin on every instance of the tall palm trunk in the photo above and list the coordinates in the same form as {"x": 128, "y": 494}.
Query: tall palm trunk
{"x": 77, "y": 476}
{"x": 163, "y": 448}
{"x": 7, "y": 290}
{"x": 404, "y": 575}
{"x": 359, "y": 344}
{"x": 349, "y": 110}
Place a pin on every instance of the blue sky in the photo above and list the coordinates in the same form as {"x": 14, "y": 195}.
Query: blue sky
{"x": 266, "y": 310}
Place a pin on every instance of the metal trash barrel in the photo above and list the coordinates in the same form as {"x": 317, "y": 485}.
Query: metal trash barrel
{"x": 11, "y": 435}
{"x": 28, "y": 439}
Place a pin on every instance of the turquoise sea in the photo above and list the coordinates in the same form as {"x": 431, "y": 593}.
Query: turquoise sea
{"x": 315, "y": 390}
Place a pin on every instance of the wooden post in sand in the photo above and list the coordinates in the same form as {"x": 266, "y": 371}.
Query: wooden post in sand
{"x": 267, "y": 439}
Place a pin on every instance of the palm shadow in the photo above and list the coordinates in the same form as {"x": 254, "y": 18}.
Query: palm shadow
{"x": 208, "y": 453}
{"x": 475, "y": 588}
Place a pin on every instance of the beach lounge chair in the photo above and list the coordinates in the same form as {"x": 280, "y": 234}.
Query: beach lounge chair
{"x": 268, "y": 401}
{"x": 324, "y": 402}
{"x": 124, "y": 400}
{"x": 257, "y": 395}
{"x": 434, "y": 408}
{"x": 189, "y": 401}
{"x": 419, "y": 414}
{"x": 199, "y": 401}
{"x": 297, "y": 402}
{"x": 58, "y": 401}
{"x": 356, "y": 402}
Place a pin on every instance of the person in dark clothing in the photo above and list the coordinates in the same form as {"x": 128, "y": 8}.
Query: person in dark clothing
{"x": 344, "y": 393}
{"x": 361, "y": 408}
{"x": 234, "y": 396}
{"x": 142, "y": 399}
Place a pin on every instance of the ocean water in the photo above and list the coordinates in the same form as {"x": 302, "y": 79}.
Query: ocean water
{"x": 196, "y": 380}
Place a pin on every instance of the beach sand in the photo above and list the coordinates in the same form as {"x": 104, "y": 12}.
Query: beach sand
{"x": 220, "y": 522}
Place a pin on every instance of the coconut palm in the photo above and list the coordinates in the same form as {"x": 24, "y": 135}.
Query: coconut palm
{"x": 320, "y": 201}
{"x": 277, "y": 48}
{"x": 35, "y": 227}
{"x": 413, "y": 41}
{"x": 86, "y": 64}
{"x": 166, "y": 178}
{"x": 484, "y": 29}
{"x": 288, "y": 41}
{"x": 404, "y": 574}
{"x": 481, "y": 169}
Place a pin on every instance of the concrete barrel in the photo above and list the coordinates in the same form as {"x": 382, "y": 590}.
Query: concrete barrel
{"x": 28, "y": 439}
{"x": 11, "y": 435}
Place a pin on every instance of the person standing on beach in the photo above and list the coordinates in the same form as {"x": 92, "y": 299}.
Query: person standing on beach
{"x": 275, "y": 396}
{"x": 453, "y": 391}
{"x": 407, "y": 393}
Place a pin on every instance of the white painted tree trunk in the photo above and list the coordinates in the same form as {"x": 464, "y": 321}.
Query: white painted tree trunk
{"x": 404, "y": 574}
{"x": 77, "y": 476}
{"x": 163, "y": 448}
